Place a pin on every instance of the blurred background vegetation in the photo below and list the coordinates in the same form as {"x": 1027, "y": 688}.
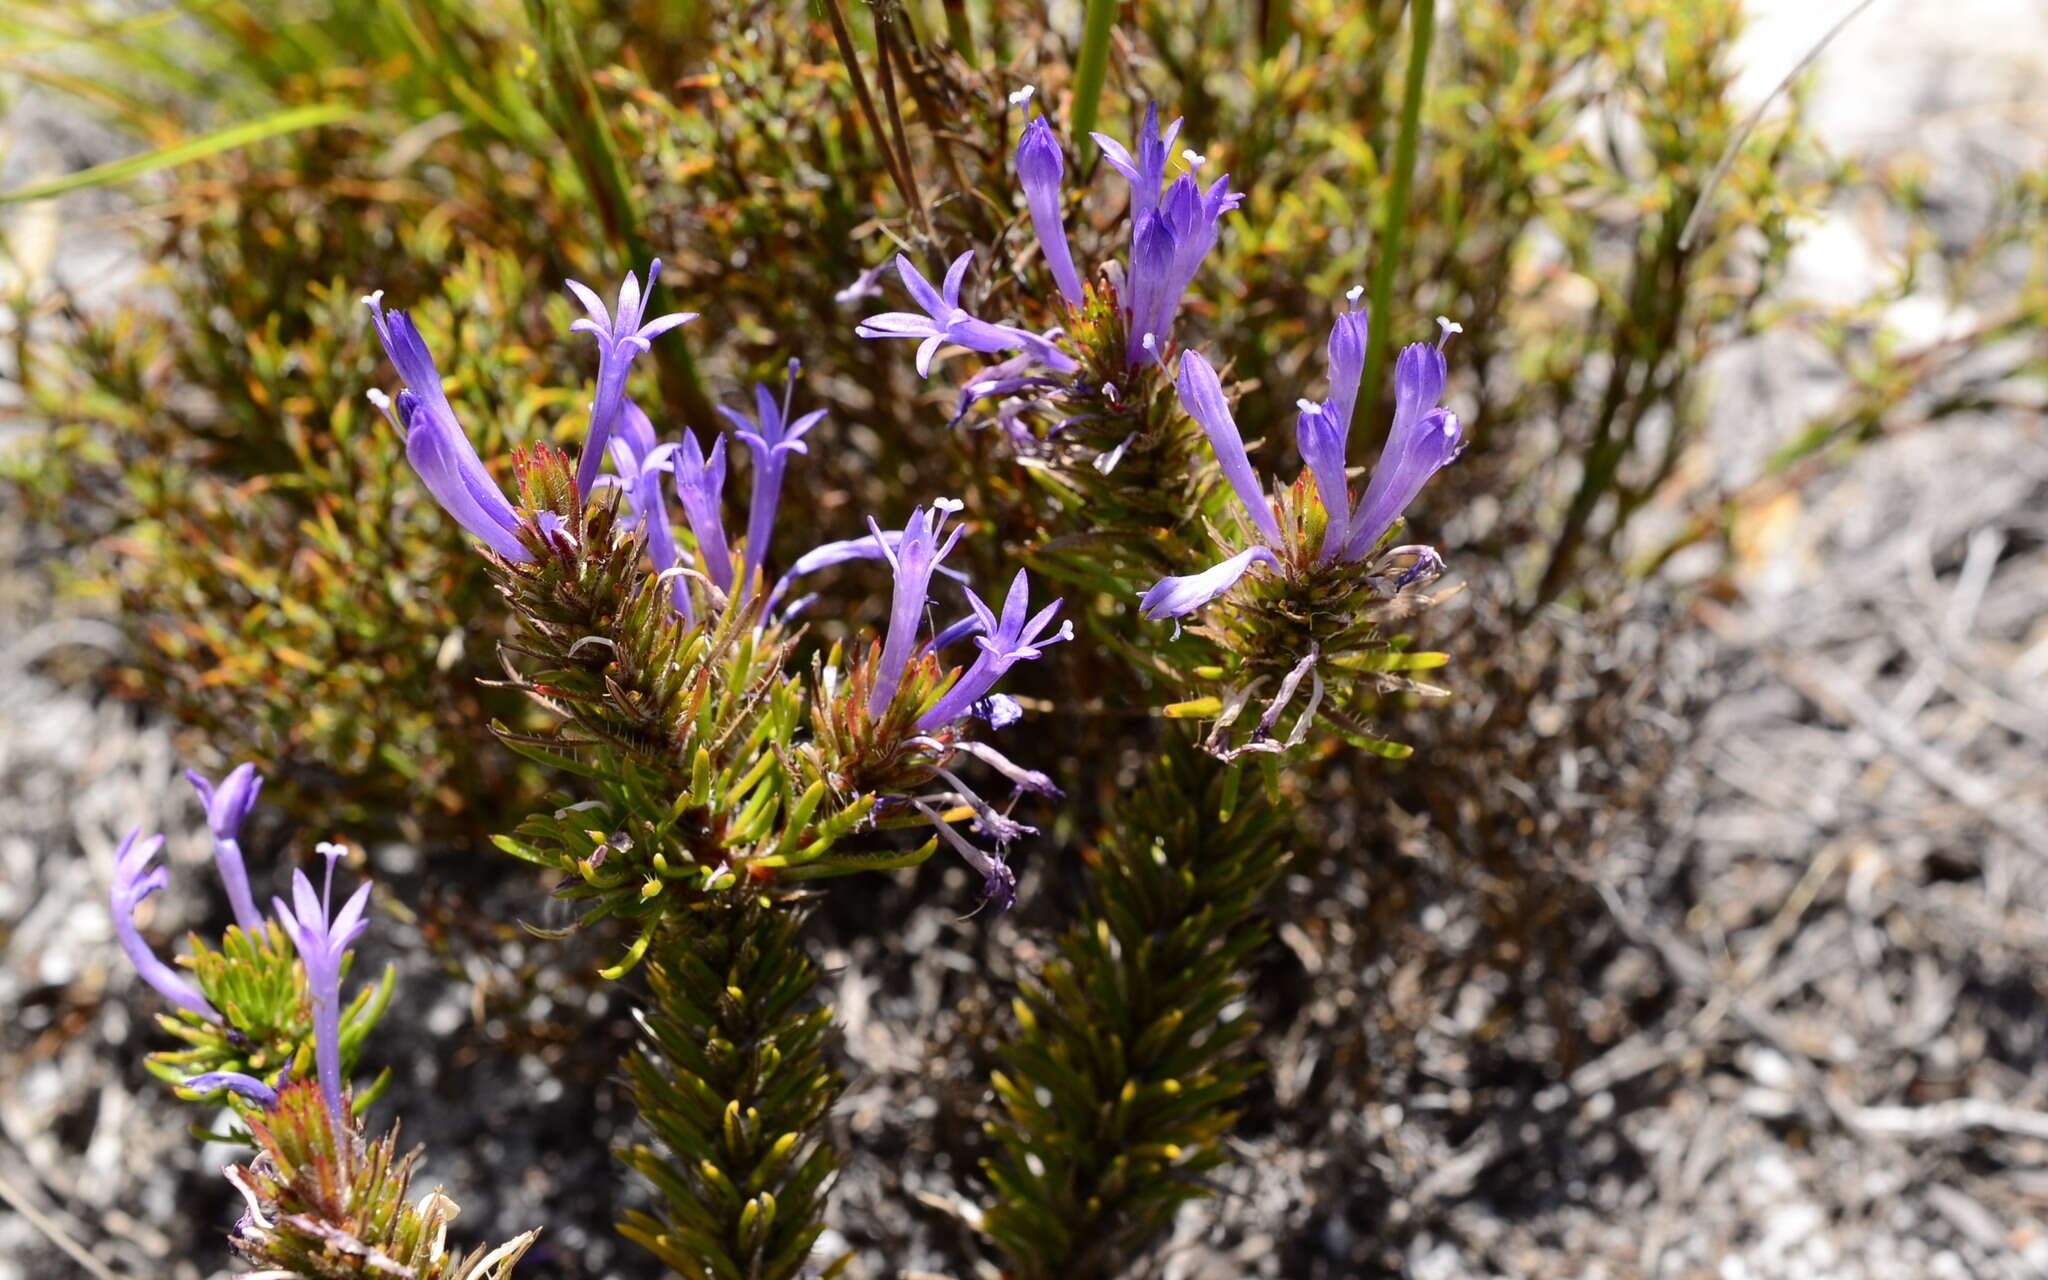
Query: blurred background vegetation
{"x": 219, "y": 483}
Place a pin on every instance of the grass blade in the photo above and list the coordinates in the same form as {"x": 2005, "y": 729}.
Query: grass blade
{"x": 239, "y": 135}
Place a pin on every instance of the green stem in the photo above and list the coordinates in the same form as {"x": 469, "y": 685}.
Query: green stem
{"x": 731, "y": 1078}
{"x": 1094, "y": 63}
{"x": 961, "y": 29}
{"x": 1123, "y": 1074}
{"x": 1394, "y": 216}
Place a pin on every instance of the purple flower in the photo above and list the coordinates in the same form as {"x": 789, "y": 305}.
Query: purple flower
{"x": 1173, "y": 597}
{"x": 1422, "y": 440}
{"x": 1148, "y": 169}
{"x": 434, "y": 441}
{"x": 913, "y": 557}
{"x": 700, "y": 483}
{"x": 1202, "y": 394}
{"x": 1040, "y": 168}
{"x": 772, "y": 437}
{"x": 1347, "y": 359}
{"x": 621, "y": 334}
{"x": 827, "y": 554}
{"x": 998, "y": 882}
{"x": 1170, "y": 234}
{"x": 226, "y": 806}
{"x": 865, "y": 285}
{"x": 1003, "y": 642}
{"x": 639, "y": 464}
{"x": 322, "y": 937}
{"x": 944, "y": 320}
{"x": 247, "y": 1086}
{"x": 1320, "y": 437}
{"x": 134, "y": 880}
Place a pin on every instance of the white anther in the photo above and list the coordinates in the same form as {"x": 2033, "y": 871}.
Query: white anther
{"x": 1193, "y": 157}
{"x": 374, "y": 300}
{"x": 1355, "y": 292}
{"x": 1022, "y": 96}
{"x": 1307, "y": 406}
{"x": 1149, "y": 342}
{"x": 379, "y": 399}
{"x": 1109, "y": 391}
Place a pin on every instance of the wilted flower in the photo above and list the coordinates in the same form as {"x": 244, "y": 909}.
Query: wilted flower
{"x": 134, "y": 880}
{"x": 772, "y": 436}
{"x": 1004, "y": 642}
{"x": 998, "y": 882}
{"x": 434, "y": 442}
{"x": 621, "y": 333}
{"x": 226, "y": 806}
{"x": 322, "y": 937}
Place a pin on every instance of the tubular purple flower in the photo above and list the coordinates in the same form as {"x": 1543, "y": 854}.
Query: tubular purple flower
{"x": 635, "y": 430}
{"x": 944, "y": 320}
{"x": 1405, "y": 465}
{"x": 134, "y": 880}
{"x": 1173, "y": 597}
{"x": 1003, "y": 642}
{"x": 1040, "y": 168}
{"x": 1320, "y": 438}
{"x": 1347, "y": 360}
{"x": 1148, "y": 170}
{"x": 247, "y": 1086}
{"x": 827, "y": 554}
{"x": 621, "y": 333}
{"x": 1202, "y": 394}
{"x": 322, "y": 937}
{"x": 772, "y": 437}
{"x": 639, "y": 473}
{"x": 700, "y": 483}
{"x": 434, "y": 441}
{"x": 1192, "y": 216}
{"x": 998, "y": 882}
{"x": 913, "y": 557}
{"x": 1421, "y": 441}
{"x": 1152, "y": 253}
{"x": 865, "y": 285}
{"x": 226, "y": 806}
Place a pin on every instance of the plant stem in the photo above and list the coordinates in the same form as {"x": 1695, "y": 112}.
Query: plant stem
{"x": 1093, "y": 63}
{"x": 1394, "y": 215}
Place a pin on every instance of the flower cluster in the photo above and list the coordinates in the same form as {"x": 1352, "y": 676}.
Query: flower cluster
{"x": 264, "y": 1008}
{"x": 906, "y": 713}
{"x": 1423, "y": 438}
{"x": 1173, "y": 225}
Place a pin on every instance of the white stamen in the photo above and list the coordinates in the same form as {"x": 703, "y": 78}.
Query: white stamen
{"x": 1109, "y": 391}
{"x": 1449, "y": 327}
{"x": 374, "y": 300}
{"x": 1193, "y": 157}
{"x": 378, "y": 398}
{"x": 1022, "y": 96}
{"x": 1355, "y": 292}
{"x": 1307, "y": 406}
{"x": 1149, "y": 343}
